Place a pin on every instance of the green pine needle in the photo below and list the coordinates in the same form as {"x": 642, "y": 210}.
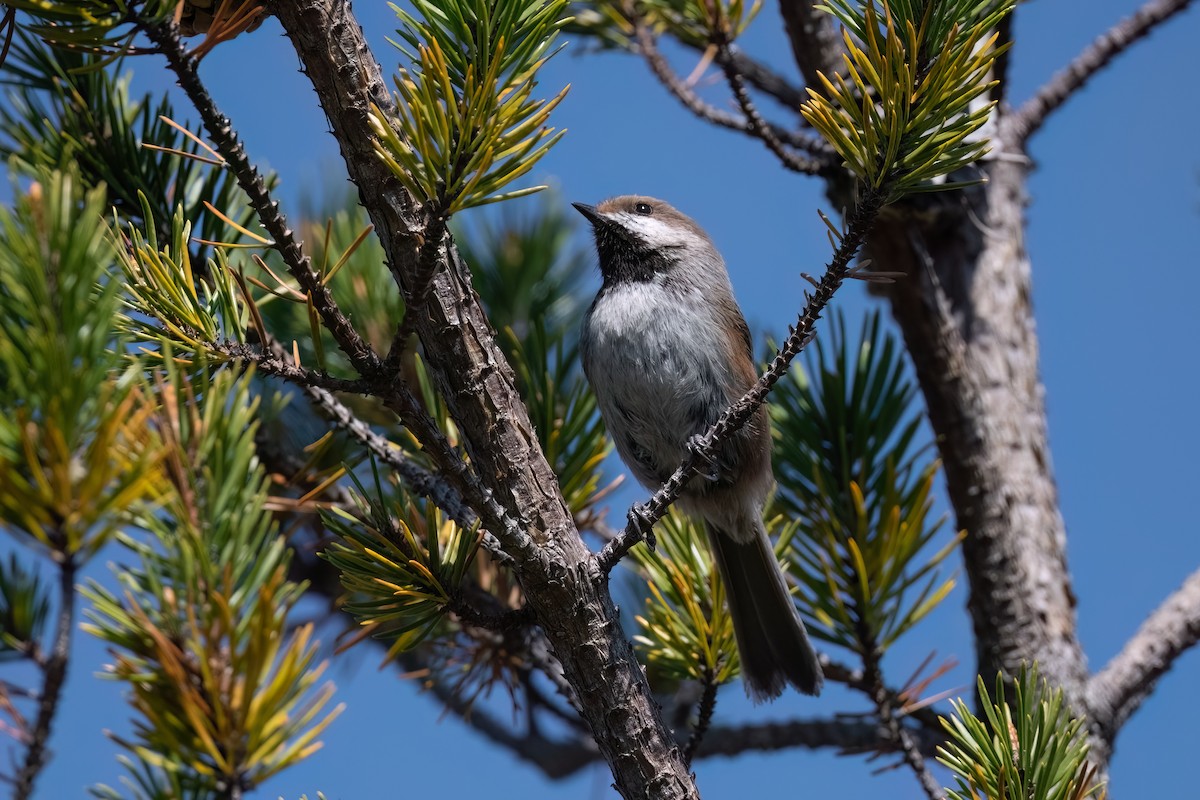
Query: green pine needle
{"x": 1026, "y": 748}
{"x": 908, "y": 108}
{"x": 401, "y": 561}
{"x": 850, "y": 473}
{"x": 467, "y": 122}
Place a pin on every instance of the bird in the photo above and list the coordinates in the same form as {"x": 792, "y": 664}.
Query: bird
{"x": 666, "y": 350}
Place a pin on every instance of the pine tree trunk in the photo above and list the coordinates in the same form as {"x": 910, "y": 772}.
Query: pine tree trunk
{"x": 966, "y": 313}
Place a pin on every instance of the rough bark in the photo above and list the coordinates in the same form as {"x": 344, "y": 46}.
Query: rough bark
{"x": 965, "y": 311}
{"x": 1123, "y": 685}
{"x": 559, "y": 576}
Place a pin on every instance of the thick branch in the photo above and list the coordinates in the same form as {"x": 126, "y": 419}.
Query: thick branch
{"x": 1118, "y": 690}
{"x": 54, "y": 675}
{"x": 966, "y": 315}
{"x": 1033, "y": 114}
{"x": 557, "y": 573}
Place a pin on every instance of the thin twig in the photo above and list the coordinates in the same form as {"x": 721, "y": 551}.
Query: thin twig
{"x": 427, "y": 259}
{"x": 427, "y": 266}
{"x": 165, "y": 36}
{"x": 759, "y": 126}
{"x": 821, "y": 156}
{"x": 885, "y": 707}
{"x": 708, "y": 702}
{"x": 769, "y": 82}
{"x": 700, "y": 449}
{"x": 1034, "y": 112}
{"x": 924, "y": 716}
{"x": 281, "y": 365}
{"x": 54, "y": 675}
{"x": 395, "y": 354}
{"x": 1118, "y": 690}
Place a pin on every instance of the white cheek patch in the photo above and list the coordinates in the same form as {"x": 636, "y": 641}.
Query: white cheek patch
{"x": 653, "y": 232}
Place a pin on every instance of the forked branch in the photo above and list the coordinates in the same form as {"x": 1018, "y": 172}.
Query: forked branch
{"x": 1118, "y": 690}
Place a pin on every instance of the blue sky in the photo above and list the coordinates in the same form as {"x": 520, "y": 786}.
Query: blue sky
{"x": 1113, "y": 234}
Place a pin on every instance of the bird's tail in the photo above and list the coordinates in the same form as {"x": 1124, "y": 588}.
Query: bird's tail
{"x": 771, "y": 639}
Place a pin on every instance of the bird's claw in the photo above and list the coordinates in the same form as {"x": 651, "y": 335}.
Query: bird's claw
{"x": 639, "y": 518}
{"x": 697, "y": 445}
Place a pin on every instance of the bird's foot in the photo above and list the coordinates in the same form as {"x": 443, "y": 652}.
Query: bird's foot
{"x": 639, "y": 518}
{"x": 697, "y": 445}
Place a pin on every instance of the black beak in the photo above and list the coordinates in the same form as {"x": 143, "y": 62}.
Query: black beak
{"x": 590, "y": 212}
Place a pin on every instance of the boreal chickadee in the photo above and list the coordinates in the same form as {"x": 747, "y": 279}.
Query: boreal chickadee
{"x": 666, "y": 350}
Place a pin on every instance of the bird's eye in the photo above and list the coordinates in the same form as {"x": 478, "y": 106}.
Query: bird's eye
{"x": 645, "y": 209}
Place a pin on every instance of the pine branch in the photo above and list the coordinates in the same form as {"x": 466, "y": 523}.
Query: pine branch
{"x": 557, "y": 573}
{"x": 821, "y": 160}
{"x": 1118, "y": 690}
{"x": 1030, "y": 117}
{"x": 281, "y": 365}
{"x": 757, "y": 125}
{"x": 705, "y": 708}
{"x": 900, "y": 737}
{"x": 165, "y": 36}
{"x": 701, "y": 449}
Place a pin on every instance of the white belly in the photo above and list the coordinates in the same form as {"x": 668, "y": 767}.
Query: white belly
{"x": 657, "y": 368}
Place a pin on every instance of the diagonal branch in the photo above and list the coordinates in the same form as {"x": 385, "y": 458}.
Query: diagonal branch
{"x": 418, "y": 479}
{"x": 165, "y": 36}
{"x": 757, "y": 125}
{"x": 1118, "y": 690}
{"x": 281, "y": 365}
{"x": 643, "y": 517}
{"x": 557, "y": 573}
{"x": 822, "y": 158}
{"x": 769, "y": 82}
{"x": 1033, "y": 114}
